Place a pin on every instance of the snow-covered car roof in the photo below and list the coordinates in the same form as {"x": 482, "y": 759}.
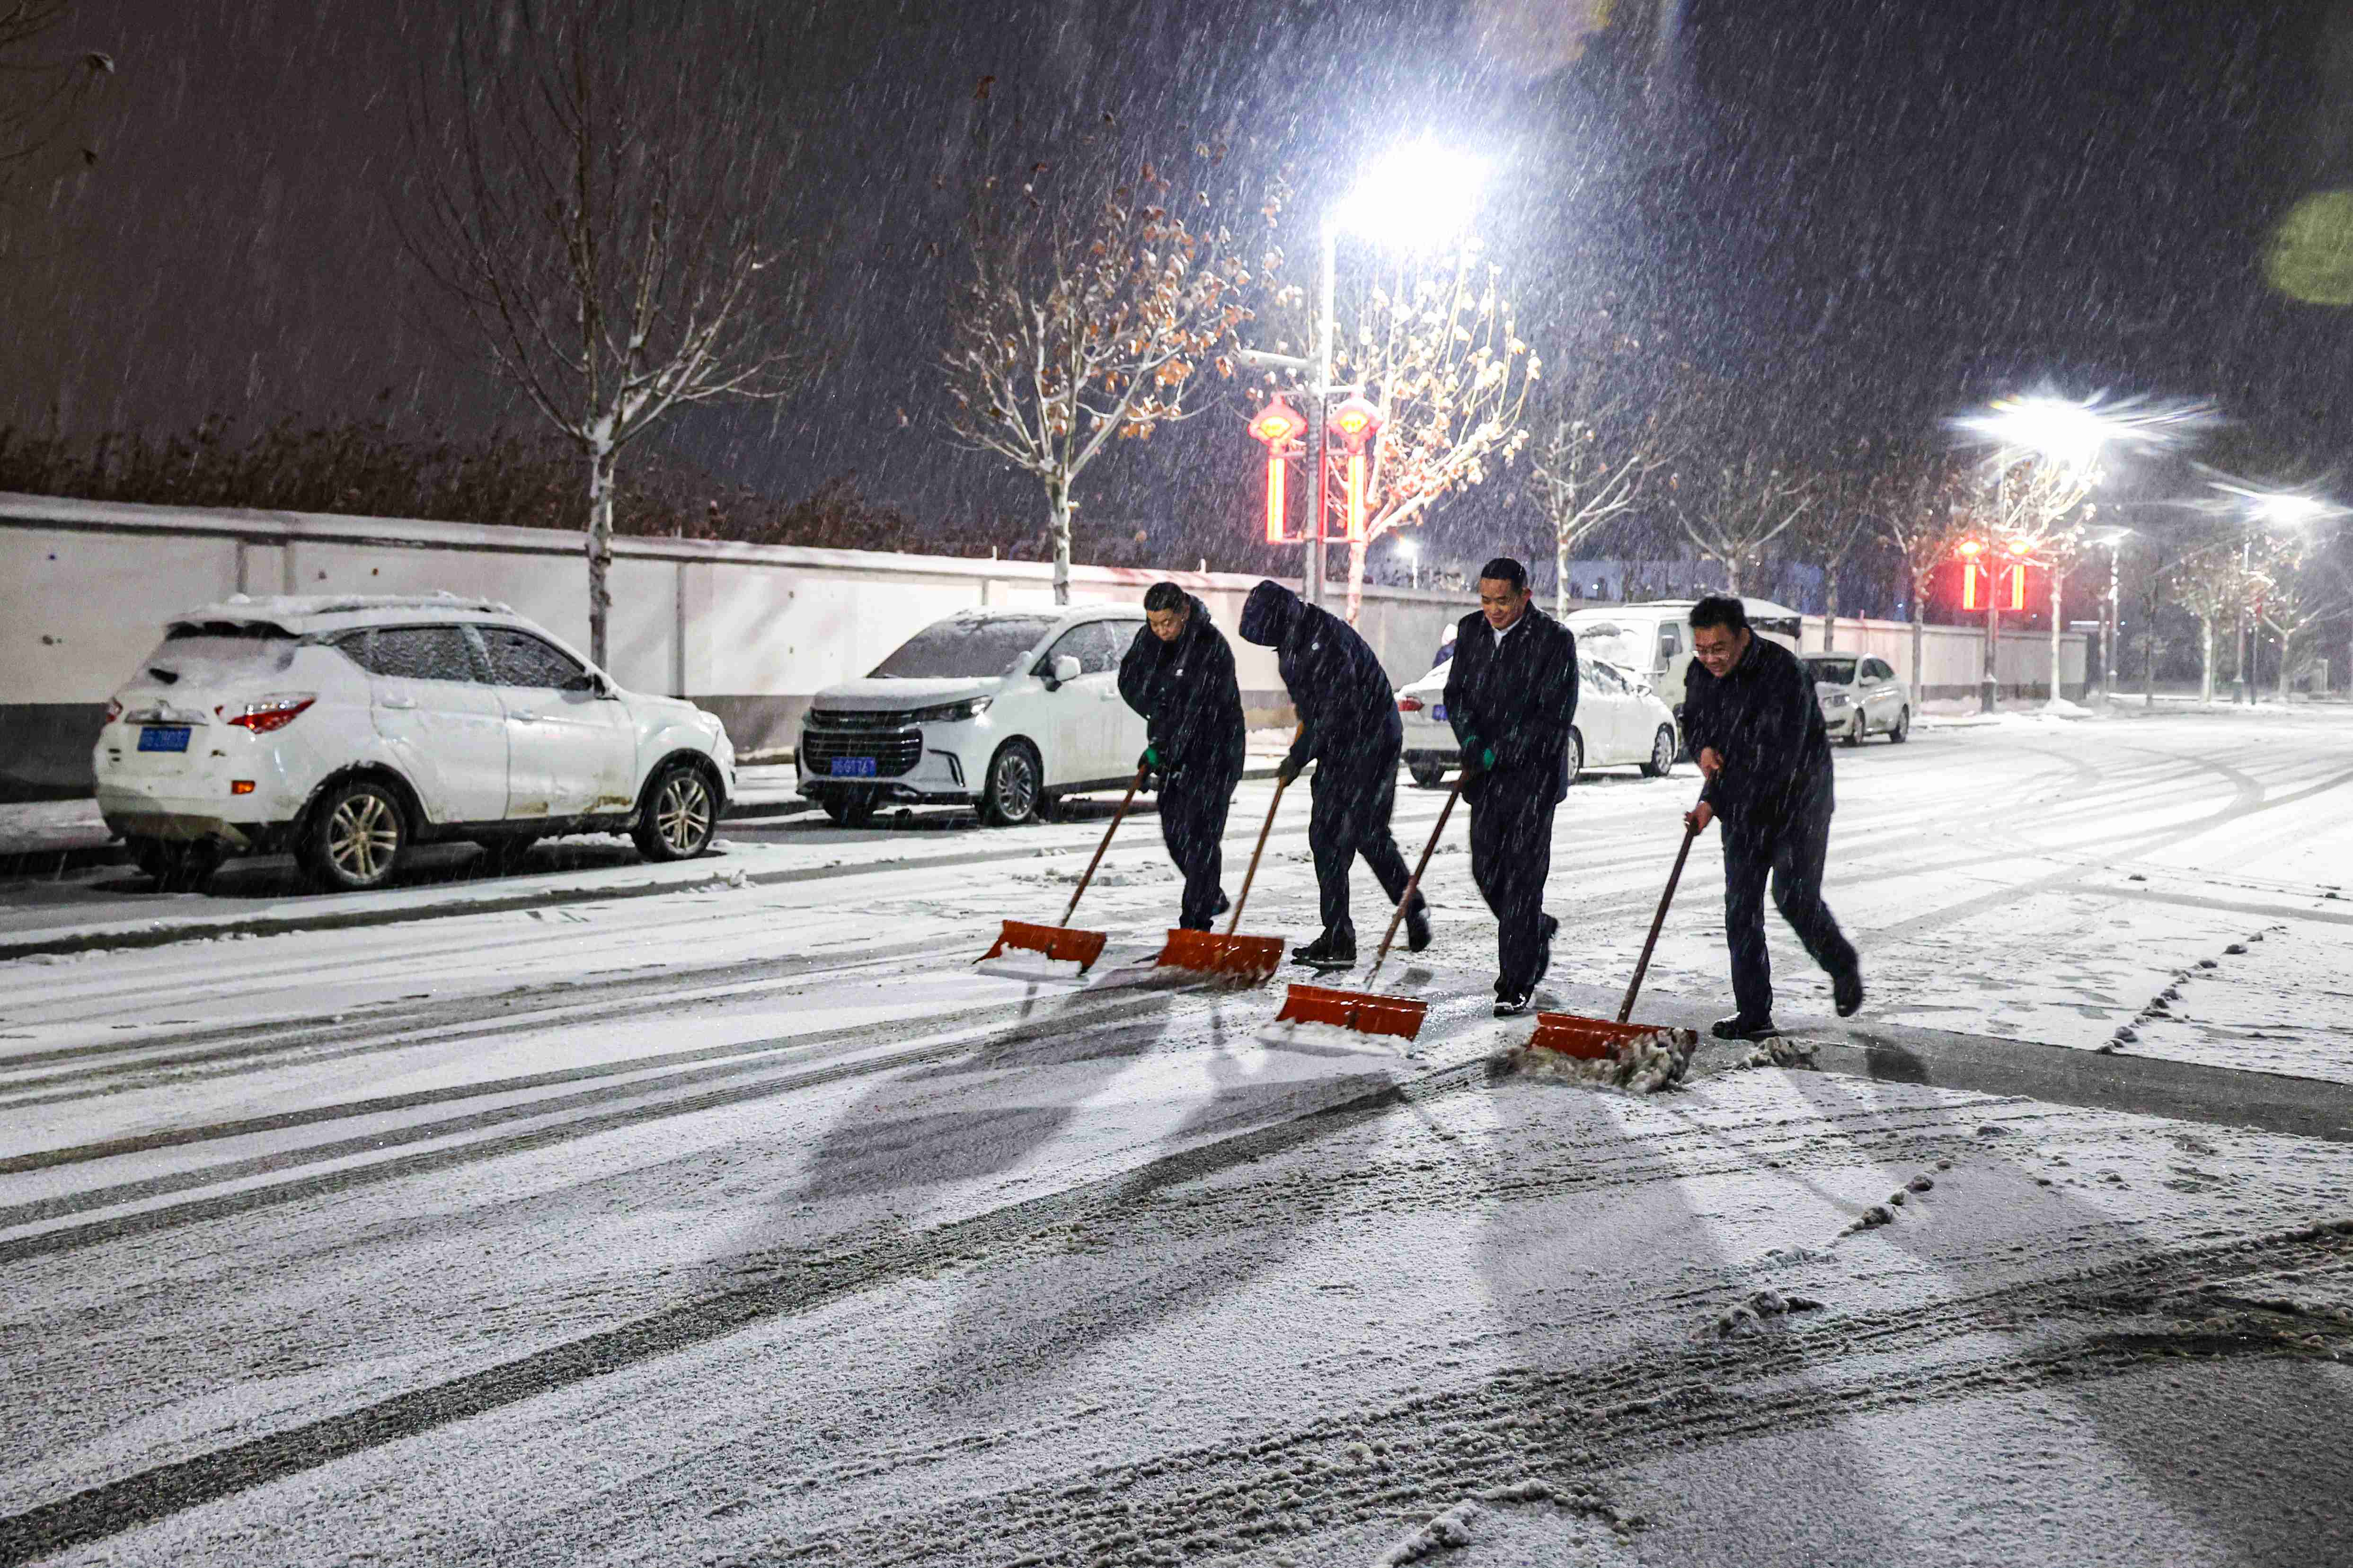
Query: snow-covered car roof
{"x": 301, "y": 613}
{"x": 1049, "y": 612}
{"x": 1757, "y": 609}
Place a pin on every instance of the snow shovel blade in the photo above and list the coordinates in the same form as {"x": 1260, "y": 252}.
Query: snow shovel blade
{"x": 1061, "y": 943}
{"x": 1251, "y": 960}
{"x": 1357, "y": 1010}
{"x": 1595, "y": 1039}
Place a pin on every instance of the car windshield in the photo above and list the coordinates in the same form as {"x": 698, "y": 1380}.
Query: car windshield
{"x": 204, "y": 652}
{"x": 1833, "y": 671}
{"x": 965, "y": 648}
{"x": 1617, "y": 644}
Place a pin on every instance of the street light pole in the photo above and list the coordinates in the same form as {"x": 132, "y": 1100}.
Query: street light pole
{"x": 2246, "y": 559}
{"x": 1326, "y": 293}
{"x": 2115, "y": 622}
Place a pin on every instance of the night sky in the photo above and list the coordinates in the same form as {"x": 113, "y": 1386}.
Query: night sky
{"x": 1870, "y": 215}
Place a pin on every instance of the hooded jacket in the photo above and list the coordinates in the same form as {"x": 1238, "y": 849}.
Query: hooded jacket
{"x": 1347, "y": 713}
{"x": 1185, "y": 689}
{"x": 1762, "y": 717}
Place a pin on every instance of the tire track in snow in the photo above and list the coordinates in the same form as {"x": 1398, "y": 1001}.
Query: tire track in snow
{"x": 981, "y": 1034}
{"x": 793, "y": 1283}
{"x": 1363, "y": 1466}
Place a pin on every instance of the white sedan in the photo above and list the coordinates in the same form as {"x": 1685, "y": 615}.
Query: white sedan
{"x": 1620, "y": 722}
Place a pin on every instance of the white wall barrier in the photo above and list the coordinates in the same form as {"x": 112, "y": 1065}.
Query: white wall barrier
{"x": 749, "y": 631}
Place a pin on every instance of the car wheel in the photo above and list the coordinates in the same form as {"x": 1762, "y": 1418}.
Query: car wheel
{"x": 354, "y": 837}
{"x": 1426, "y": 775}
{"x": 1576, "y": 755}
{"x": 1902, "y": 731}
{"x": 1854, "y": 731}
{"x": 503, "y": 854}
{"x": 681, "y": 814}
{"x": 1013, "y": 792}
{"x": 1662, "y": 754}
{"x": 848, "y": 807}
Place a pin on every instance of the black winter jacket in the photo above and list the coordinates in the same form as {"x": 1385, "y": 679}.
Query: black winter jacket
{"x": 1520, "y": 698}
{"x": 1763, "y": 718}
{"x": 1347, "y": 712}
{"x": 1185, "y": 689}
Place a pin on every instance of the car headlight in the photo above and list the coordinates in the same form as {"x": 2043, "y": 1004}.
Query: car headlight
{"x": 953, "y": 712}
{"x": 1835, "y": 699}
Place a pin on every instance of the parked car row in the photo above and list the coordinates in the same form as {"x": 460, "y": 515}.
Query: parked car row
{"x": 347, "y": 729}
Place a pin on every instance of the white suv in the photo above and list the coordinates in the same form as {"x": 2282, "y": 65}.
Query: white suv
{"x": 347, "y": 728}
{"x": 1007, "y": 711}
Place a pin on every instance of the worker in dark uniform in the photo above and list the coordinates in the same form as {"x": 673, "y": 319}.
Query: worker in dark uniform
{"x": 1752, "y": 719}
{"x": 1348, "y": 728}
{"x": 1511, "y": 696}
{"x": 1179, "y": 674}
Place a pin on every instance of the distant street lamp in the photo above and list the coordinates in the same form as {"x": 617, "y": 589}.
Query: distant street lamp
{"x": 1417, "y": 194}
{"x": 2266, "y": 510}
{"x": 2058, "y": 443}
{"x": 1412, "y": 553}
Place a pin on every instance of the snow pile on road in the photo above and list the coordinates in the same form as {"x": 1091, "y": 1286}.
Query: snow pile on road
{"x": 1325, "y": 1039}
{"x": 1520, "y": 1524}
{"x": 1644, "y": 1064}
{"x": 1017, "y": 964}
{"x": 1748, "y": 1317}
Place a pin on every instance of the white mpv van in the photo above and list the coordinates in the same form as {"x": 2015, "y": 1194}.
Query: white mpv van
{"x": 346, "y": 729}
{"x": 1005, "y": 710}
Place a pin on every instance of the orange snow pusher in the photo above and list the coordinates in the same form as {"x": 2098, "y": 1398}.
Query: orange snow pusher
{"x": 1366, "y": 1011}
{"x": 1247, "y": 960}
{"x": 1061, "y": 943}
{"x": 1596, "y": 1039}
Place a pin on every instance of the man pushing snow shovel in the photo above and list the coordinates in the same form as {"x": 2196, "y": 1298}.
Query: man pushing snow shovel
{"x": 1348, "y": 728}
{"x": 1511, "y": 695}
{"x": 1751, "y": 719}
{"x": 1179, "y": 674}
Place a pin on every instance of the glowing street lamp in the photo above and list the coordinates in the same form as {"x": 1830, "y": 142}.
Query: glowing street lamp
{"x": 1412, "y": 553}
{"x": 2292, "y": 510}
{"x": 1418, "y": 195}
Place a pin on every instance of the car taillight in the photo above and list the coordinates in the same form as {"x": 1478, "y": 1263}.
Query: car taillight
{"x": 272, "y": 712}
{"x": 113, "y": 710}
{"x": 1409, "y": 704}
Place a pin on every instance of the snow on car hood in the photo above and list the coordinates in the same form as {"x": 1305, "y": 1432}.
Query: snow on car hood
{"x": 889, "y": 693}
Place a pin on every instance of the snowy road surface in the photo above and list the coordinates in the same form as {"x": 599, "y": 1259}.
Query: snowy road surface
{"x": 719, "y": 1213}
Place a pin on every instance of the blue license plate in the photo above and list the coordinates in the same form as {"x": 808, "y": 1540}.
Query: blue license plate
{"x": 164, "y": 738}
{"x": 853, "y": 767}
{"x": 1439, "y": 712}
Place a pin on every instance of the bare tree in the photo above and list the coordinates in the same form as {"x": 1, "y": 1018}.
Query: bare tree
{"x": 2306, "y": 591}
{"x": 1848, "y": 498}
{"x": 605, "y": 204}
{"x": 1093, "y": 304}
{"x": 1921, "y": 514}
{"x": 43, "y": 96}
{"x": 2213, "y": 582}
{"x": 1593, "y": 452}
{"x": 1736, "y": 510}
{"x": 1437, "y": 347}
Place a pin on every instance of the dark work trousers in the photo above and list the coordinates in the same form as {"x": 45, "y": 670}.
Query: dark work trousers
{"x": 1192, "y": 821}
{"x": 1511, "y": 856}
{"x": 1793, "y": 858}
{"x": 1351, "y": 817}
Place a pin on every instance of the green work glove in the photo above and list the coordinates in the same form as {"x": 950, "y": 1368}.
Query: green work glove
{"x": 1150, "y": 762}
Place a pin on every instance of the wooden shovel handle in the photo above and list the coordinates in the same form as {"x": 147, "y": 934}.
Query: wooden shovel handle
{"x": 1626, "y": 1010}
{"x": 1404, "y": 899}
{"x": 1251, "y": 875}
{"x": 1090, "y": 877}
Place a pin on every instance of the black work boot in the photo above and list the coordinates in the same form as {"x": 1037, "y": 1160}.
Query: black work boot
{"x": 1846, "y": 990}
{"x": 1739, "y": 1028}
{"x": 1544, "y": 959}
{"x": 1416, "y": 924}
{"x": 1333, "y": 950}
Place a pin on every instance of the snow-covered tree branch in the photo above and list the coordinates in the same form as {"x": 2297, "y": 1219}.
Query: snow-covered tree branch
{"x": 1098, "y": 296}
{"x": 607, "y": 211}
